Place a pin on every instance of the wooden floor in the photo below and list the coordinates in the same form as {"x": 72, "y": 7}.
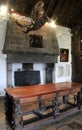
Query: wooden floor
{"x": 73, "y": 122}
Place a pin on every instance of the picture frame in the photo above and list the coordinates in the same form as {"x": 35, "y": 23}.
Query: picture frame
{"x": 36, "y": 41}
{"x": 64, "y": 55}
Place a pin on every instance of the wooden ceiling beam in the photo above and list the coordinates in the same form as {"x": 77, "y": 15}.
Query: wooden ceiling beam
{"x": 49, "y": 6}
{"x": 46, "y": 4}
{"x": 65, "y": 8}
{"x": 73, "y": 8}
{"x": 58, "y": 9}
{"x": 76, "y": 13}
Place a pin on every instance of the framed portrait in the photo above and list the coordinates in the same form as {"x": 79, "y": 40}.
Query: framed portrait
{"x": 64, "y": 55}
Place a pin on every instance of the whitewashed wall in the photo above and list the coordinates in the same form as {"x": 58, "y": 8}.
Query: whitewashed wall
{"x": 3, "y": 77}
{"x": 41, "y": 68}
{"x": 62, "y": 70}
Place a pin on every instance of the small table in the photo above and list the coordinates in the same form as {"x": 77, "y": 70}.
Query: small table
{"x": 19, "y": 96}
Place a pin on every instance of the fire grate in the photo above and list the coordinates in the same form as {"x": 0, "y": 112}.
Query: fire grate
{"x": 75, "y": 126}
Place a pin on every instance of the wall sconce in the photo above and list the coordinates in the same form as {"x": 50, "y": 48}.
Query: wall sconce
{"x": 3, "y": 10}
{"x": 53, "y": 24}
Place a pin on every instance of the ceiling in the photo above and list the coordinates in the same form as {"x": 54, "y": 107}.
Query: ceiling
{"x": 65, "y": 12}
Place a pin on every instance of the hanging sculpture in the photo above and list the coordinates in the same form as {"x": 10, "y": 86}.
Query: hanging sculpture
{"x": 38, "y": 18}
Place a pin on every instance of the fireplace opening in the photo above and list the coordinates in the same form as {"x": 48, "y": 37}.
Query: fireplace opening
{"x": 26, "y": 78}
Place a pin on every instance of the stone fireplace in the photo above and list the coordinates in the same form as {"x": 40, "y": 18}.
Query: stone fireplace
{"x": 24, "y": 48}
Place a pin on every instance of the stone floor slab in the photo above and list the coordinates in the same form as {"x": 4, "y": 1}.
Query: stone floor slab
{"x": 65, "y": 128}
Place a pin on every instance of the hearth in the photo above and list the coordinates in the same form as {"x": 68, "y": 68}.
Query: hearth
{"x": 26, "y": 78}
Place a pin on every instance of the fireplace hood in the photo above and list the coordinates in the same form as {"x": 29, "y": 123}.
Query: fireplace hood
{"x": 18, "y": 49}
